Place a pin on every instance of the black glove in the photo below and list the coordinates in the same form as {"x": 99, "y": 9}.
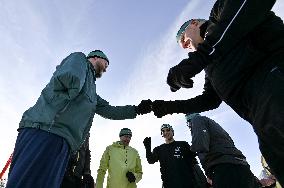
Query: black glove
{"x": 162, "y": 108}
{"x": 144, "y": 107}
{"x": 88, "y": 180}
{"x": 130, "y": 176}
{"x": 176, "y": 78}
{"x": 181, "y": 74}
{"x": 147, "y": 143}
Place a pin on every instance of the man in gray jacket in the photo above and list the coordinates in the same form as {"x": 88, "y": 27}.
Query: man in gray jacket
{"x": 61, "y": 119}
{"x": 223, "y": 163}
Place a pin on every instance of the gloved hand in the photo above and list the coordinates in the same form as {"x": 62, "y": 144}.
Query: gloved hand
{"x": 147, "y": 143}
{"x": 144, "y": 107}
{"x": 88, "y": 180}
{"x": 181, "y": 74}
{"x": 176, "y": 78}
{"x": 162, "y": 108}
{"x": 130, "y": 176}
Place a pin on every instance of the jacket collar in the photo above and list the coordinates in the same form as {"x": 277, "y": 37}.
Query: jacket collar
{"x": 93, "y": 69}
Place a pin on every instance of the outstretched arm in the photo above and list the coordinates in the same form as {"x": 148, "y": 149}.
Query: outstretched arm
{"x": 108, "y": 111}
{"x": 207, "y": 101}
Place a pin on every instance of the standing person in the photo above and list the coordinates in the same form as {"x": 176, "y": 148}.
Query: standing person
{"x": 78, "y": 172}
{"x": 241, "y": 49}
{"x": 59, "y": 122}
{"x": 177, "y": 161}
{"x": 122, "y": 162}
{"x": 223, "y": 163}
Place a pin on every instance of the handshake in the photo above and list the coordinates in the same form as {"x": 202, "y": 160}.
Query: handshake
{"x": 159, "y": 107}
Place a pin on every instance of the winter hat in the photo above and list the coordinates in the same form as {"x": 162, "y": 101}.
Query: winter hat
{"x": 168, "y": 126}
{"x": 125, "y": 131}
{"x": 184, "y": 27}
{"x": 97, "y": 53}
{"x": 190, "y": 116}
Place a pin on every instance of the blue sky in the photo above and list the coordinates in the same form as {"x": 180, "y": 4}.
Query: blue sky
{"x": 139, "y": 39}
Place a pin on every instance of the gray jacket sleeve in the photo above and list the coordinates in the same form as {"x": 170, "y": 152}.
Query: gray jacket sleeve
{"x": 105, "y": 110}
{"x": 200, "y": 135}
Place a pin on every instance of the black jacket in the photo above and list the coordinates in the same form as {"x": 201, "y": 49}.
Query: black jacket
{"x": 213, "y": 144}
{"x": 176, "y": 163}
{"x": 244, "y": 40}
{"x": 79, "y": 163}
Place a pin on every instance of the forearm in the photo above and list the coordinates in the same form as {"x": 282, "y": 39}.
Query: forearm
{"x": 104, "y": 109}
{"x": 100, "y": 178}
{"x": 150, "y": 157}
{"x": 117, "y": 112}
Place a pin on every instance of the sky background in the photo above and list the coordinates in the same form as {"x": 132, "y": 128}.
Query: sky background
{"x": 139, "y": 40}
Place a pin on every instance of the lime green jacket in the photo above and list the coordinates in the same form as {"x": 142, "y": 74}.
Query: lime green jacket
{"x": 119, "y": 159}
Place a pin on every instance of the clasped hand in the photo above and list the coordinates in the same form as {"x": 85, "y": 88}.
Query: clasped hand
{"x": 180, "y": 75}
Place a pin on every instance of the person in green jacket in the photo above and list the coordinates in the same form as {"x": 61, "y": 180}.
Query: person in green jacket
{"x": 60, "y": 121}
{"x": 122, "y": 162}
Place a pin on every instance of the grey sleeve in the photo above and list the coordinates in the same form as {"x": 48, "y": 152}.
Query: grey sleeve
{"x": 200, "y": 135}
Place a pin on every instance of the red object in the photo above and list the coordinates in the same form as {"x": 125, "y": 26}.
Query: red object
{"x": 6, "y": 166}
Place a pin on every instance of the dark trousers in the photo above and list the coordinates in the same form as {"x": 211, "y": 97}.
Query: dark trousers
{"x": 268, "y": 120}
{"x": 72, "y": 182}
{"x": 39, "y": 160}
{"x": 232, "y": 176}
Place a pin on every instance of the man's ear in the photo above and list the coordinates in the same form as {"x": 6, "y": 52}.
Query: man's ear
{"x": 194, "y": 22}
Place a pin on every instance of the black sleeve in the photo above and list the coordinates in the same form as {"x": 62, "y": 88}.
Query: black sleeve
{"x": 87, "y": 166}
{"x": 152, "y": 157}
{"x": 190, "y": 154}
{"x": 207, "y": 101}
{"x": 230, "y": 21}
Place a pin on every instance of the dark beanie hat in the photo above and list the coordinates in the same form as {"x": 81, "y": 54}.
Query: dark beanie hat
{"x": 125, "y": 131}
{"x": 97, "y": 53}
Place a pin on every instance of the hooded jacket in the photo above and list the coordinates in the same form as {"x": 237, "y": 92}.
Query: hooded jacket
{"x": 68, "y": 103}
{"x": 213, "y": 144}
{"x": 118, "y": 159}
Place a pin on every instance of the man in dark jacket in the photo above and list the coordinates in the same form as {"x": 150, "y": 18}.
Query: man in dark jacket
{"x": 177, "y": 161}
{"x": 59, "y": 122}
{"x": 223, "y": 163}
{"x": 241, "y": 49}
{"x": 78, "y": 171}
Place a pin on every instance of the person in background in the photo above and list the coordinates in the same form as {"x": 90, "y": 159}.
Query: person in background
{"x": 122, "y": 162}
{"x": 177, "y": 161}
{"x": 78, "y": 172}
{"x": 222, "y": 162}
{"x": 60, "y": 121}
